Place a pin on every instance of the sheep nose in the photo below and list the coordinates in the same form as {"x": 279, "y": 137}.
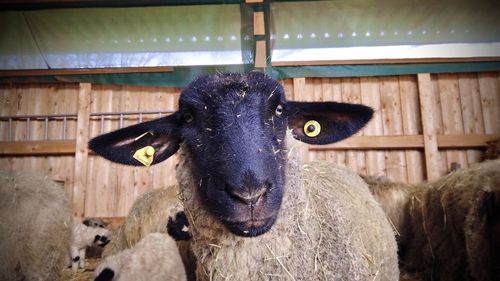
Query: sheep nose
{"x": 249, "y": 197}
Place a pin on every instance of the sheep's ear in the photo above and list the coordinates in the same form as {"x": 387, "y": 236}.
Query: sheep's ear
{"x": 146, "y": 143}
{"x": 325, "y": 122}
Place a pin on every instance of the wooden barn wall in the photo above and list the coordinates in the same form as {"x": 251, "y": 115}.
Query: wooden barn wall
{"x": 460, "y": 104}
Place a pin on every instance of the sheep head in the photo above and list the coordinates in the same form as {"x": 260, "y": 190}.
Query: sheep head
{"x": 233, "y": 127}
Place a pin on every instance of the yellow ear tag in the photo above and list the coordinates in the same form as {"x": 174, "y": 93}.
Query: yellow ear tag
{"x": 312, "y": 128}
{"x": 145, "y": 155}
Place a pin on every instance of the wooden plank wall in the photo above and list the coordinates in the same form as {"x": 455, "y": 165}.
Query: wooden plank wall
{"x": 110, "y": 188}
{"x": 460, "y": 104}
{"x": 24, "y": 99}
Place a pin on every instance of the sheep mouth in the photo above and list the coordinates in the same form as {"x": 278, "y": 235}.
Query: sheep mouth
{"x": 250, "y": 228}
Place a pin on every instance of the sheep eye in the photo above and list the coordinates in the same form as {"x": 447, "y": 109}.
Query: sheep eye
{"x": 279, "y": 110}
{"x": 188, "y": 117}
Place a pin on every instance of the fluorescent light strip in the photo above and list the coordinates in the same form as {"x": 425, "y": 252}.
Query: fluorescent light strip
{"x": 389, "y": 52}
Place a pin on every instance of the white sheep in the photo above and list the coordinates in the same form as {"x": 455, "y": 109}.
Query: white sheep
{"x": 83, "y": 237}
{"x": 253, "y": 212}
{"x": 35, "y": 227}
{"x": 154, "y": 258}
{"x": 154, "y": 211}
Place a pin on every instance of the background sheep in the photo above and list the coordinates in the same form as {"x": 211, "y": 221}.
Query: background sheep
{"x": 35, "y": 228}
{"x": 150, "y": 213}
{"x": 232, "y": 128}
{"x": 83, "y": 237}
{"x": 392, "y": 197}
{"x": 94, "y": 251}
{"x": 450, "y": 228}
{"x": 154, "y": 258}
{"x": 94, "y": 222}
{"x": 492, "y": 150}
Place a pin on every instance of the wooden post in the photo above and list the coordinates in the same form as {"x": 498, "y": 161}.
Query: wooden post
{"x": 411, "y": 126}
{"x": 429, "y": 131}
{"x": 259, "y": 27}
{"x": 81, "y": 154}
{"x": 260, "y": 54}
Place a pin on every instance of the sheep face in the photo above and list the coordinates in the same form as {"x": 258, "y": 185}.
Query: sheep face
{"x": 101, "y": 241}
{"x": 233, "y": 127}
{"x": 234, "y": 131}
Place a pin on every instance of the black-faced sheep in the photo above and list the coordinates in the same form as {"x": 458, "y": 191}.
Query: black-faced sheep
{"x": 94, "y": 222}
{"x": 152, "y": 212}
{"x": 35, "y": 227}
{"x": 252, "y": 213}
{"x": 149, "y": 213}
{"x": 154, "y": 258}
{"x": 449, "y": 229}
{"x": 83, "y": 237}
{"x": 94, "y": 251}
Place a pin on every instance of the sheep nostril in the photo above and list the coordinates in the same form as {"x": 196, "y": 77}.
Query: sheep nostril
{"x": 249, "y": 197}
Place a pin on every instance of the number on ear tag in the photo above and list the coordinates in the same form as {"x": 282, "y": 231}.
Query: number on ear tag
{"x": 145, "y": 155}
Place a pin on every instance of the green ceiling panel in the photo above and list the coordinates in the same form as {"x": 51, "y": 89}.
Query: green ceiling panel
{"x": 125, "y": 37}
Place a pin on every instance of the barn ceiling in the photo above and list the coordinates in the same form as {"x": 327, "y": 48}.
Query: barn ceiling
{"x": 121, "y": 37}
{"x": 384, "y": 29}
{"x": 196, "y": 37}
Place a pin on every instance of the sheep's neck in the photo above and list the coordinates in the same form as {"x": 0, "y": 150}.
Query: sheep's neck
{"x": 209, "y": 230}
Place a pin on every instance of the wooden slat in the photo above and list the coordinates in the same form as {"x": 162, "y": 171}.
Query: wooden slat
{"x": 36, "y": 130}
{"x": 258, "y": 23}
{"x": 407, "y": 142}
{"x": 392, "y": 121}
{"x": 317, "y": 95}
{"x": 299, "y": 87}
{"x": 338, "y": 157}
{"x": 355, "y": 142}
{"x": 451, "y": 111}
{"x": 370, "y": 96}
{"x": 412, "y": 125}
{"x": 374, "y": 142}
{"x": 92, "y": 181}
{"x": 67, "y": 103}
{"x": 113, "y": 196}
{"x": 299, "y": 90}
{"x": 128, "y": 102}
{"x": 144, "y": 175}
{"x": 430, "y": 136}
{"x": 288, "y": 88}
{"x": 81, "y": 154}
{"x": 490, "y": 101}
{"x": 23, "y": 96}
{"x": 162, "y": 172}
{"x": 82, "y": 71}
{"x": 351, "y": 93}
{"x": 465, "y": 141}
{"x": 260, "y": 54}
{"x": 37, "y": 147}
{"x": 470, "y": 100}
